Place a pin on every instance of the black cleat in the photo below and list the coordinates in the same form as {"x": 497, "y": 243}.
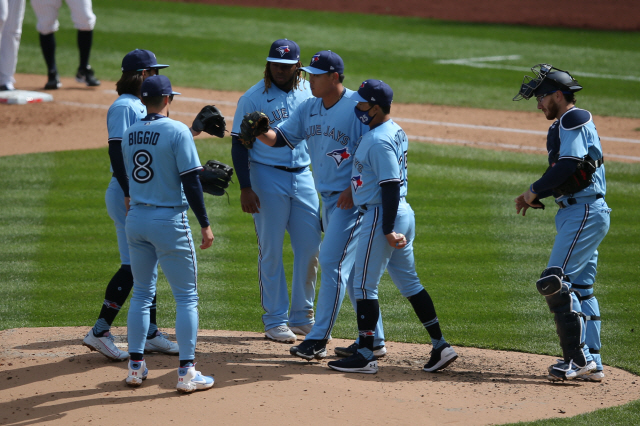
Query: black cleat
{"x": 87, "y": 76}
{"x": 310, "y": 349}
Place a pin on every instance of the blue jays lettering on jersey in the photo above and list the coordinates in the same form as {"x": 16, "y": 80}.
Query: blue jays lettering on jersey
{"x": 156, "y": 151}
{"x": 381, "y": 156}
{"x": 277, "y": 105}
{"x": 331, "y": 135}
{"x": 125, "y": 111}
{"x": 573, "y": 137}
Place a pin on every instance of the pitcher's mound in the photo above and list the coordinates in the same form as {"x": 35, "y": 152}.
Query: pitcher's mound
{"x": 47, "y": 376}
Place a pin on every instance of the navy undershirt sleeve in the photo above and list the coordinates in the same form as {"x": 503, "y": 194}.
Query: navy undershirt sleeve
{"x": 555, "y": 177}
{"x": 193, "y": 191}
{"x": 280, "y": 140}
{"x": 390, "y": 202}
{"x": 117, "y": 164}
{"x": 240, "y": 156}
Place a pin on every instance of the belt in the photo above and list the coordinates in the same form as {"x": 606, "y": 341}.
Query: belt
{"x": 290, "y": 169}
{"x": 571, "y": 201}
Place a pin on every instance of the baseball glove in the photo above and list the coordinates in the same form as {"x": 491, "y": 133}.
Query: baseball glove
{"x": 211, "y": 121}
{"x": 253, "y": 124}
{"x": 215, "y": 177}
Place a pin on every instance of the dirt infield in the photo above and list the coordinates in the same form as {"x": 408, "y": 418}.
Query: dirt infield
{"x": 47, "y": 377}
{"x": 594, "y": 14}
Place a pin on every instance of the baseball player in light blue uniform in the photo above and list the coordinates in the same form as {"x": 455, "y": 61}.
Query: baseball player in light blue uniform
{"x": 277, "y": 188}
{"x": 331, "y": 130}
{"x": 387, "y": 230}
{"x": 137, "y": 65}
{"x": 581, "y": 222}
{"x": 162, "y": 165}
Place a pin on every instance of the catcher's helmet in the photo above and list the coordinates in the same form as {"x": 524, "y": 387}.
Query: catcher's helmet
{"x": 547, "y": 79}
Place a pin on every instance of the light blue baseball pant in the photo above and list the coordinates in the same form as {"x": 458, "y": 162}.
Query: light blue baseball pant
{"x": 114, "y": 198}
{"x": 337, "y": 256}
{"x": 580, "y": 230}
{"x": 374, "y": 254}
{"x": 162, "y": 235}
{"x": 288, "y": 201}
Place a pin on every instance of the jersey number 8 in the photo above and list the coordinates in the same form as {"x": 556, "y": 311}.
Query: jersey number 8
{"x": 142, "y": 173}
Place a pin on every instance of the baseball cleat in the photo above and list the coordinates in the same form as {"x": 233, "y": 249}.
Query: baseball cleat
{"x": 137, "y": 373}
{"x": 160, "y": 343}
{"x": 53, "y": 82}
{"x": 310, "y": 349}
{"x": 440, "y": 358}
{"x": 378, "y": 351}
{"x": 281, "y": 334}
{"x": 190, "y": 380}
{"x": 356, "y": 363}
{"x": 568, "y": 371}
{"x": 301, "y": 330}
{"x": 104, "y": 345}
{"x": 596, "y": 376}
{"x": 87, "y": 77}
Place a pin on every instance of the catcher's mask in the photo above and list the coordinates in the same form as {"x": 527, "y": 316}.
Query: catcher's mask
{"x": 547, "y": 80}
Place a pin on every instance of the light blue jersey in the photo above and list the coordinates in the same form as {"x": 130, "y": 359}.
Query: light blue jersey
{"x": 125, "y": 111}
{"x": 156, "y": 151}
{"x": 578, "y": 137}
{"x": 331, "y": 135}
{"x": 380, "y": 157}
{"x": 278, "y": 106}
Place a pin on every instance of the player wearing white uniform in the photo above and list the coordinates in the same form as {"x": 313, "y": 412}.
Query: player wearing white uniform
{"x": 277, "y": 188}
{"x": 137, "y": 65}
{"x": 11, "y": 17}
{"x": 385, "y": 241}
{"x": 331, "y": 130}
{"x": 83, "y": 19}
{"x": 162, "y": 165}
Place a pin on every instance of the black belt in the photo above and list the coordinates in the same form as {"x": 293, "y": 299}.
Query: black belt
{"x": 571, "y": 201}
{"x": 290, "y": 169}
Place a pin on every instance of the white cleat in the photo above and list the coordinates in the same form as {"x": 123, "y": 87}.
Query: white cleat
{"x": 190, "y": 380}
{"x": 161, "y": 344}
{"x": 137, "y": 373}
{"x": 105, "y": 346}
{"x": 280, "y": 334}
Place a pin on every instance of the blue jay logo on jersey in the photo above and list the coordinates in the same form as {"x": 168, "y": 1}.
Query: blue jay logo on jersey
{"x": 356, "y": 182}
{"x": 283, "y": 50}
{"x": 339, "y": 155}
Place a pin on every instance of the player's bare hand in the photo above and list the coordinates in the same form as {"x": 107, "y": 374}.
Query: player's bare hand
{"x": 193, "y": 132}
{"x": 207, "y": 238}
{"x": 127, "y": 204}
{"x": 345, "y": 200}
{"x": 249, "y": 200}
{"x": 397, "y": 241}
{"x": 521, "y": 205}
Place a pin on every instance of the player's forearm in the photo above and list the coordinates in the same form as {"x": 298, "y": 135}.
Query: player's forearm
{"x": 193, "y": 193}
{"x": 390, "y": 202}
{"x": 240, "y": 157}
{"x": 270, "y": 138}
{"x": 554, "y": 177}
{"x": 117, "y": 164}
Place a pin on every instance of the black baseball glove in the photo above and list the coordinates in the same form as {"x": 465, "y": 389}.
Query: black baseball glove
{"x": 215, "y": 177}
{"x": 253, "y": 124}
{"x": 210, "y": 120}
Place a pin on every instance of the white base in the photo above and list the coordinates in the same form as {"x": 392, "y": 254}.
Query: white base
{"x": 22, "y": 97}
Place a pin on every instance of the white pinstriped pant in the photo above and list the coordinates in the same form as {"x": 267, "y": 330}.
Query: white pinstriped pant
{"x": 11, "y": 16}
{"x": 47, "y": 13}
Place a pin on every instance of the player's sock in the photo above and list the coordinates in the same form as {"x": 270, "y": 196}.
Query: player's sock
{"x": 48, "y": 46}
{"x": 136, "y": 356}
{"x": 115, "y": 295}
{"x": 153, "y": 327}
{"x": 368, "y": 312}
{"x": 438, "y": 342}
{"x": 423, "y": 307}
{"x": 85, "y": 40}
{"x": 184, "y": 362}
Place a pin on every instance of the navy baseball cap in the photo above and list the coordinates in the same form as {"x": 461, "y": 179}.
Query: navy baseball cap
{"x": 284, "y": 51}
{"x": 375, "y": 91}
{"x": 157, "y": 85}
{"x": 138, "y": 60}
{"x": 325, "y": 61}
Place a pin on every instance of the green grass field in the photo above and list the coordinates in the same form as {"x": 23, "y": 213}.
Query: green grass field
{"x": 215, "y": 47}
{"x": 477, "y": 258}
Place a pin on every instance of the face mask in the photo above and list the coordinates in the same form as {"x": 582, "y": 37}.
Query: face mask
{"x": 363, "y": 116}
